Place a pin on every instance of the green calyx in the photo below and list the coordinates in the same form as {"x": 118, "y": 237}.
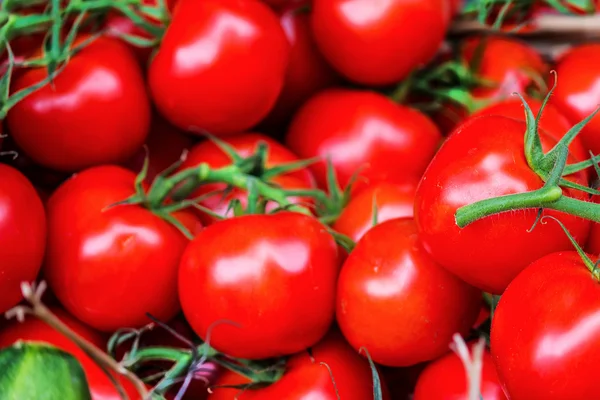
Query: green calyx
{"x": 552, "y": 168}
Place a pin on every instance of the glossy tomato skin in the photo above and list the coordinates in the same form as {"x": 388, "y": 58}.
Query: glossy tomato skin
{"x": 385, "y": 280}
{"x": 444, "y": 379}
{"x": 577, "y": 94}
{"x": 97, "y": 113}
{"x": 109, "y": 267}
{"x": 307, "y": 377}
{"x": 378, "y": 203}
{"x": 545, "y": 327}
{"x": 274, "y": 276}
{"x": 379, "y": 43}
{"x": 220, "y": 67}
{"x": 362, "y": 131}
{"x": 22, "y": 235}
{"x": 33, "y": 329}
{"x": 470, "y": 167}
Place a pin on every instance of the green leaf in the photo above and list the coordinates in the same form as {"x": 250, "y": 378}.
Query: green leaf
{"x": 40, "y": 371}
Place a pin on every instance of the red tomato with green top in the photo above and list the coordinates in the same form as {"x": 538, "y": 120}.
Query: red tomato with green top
{"x": 362, "y": 132}
{"x": 379, "y": 43}
{"x": 546, "y": 328}
{"x": 263, "y": 285}
{"x": 96, "y": 112}
{"x": 22, "y": 235}
{"x": 111, "y": 266}
{"x": 395, "y": 301}
{"x": 470, "y": 167}
{"x": 220, "y": 67}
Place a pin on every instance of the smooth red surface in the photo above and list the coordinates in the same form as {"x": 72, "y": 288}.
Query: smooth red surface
{"x": 220, "y": 67}
{"x": 273, "y": 276}
{"x": 109, "y": 267}
{"x": 97, "y": 111}
{"x": 308, "y": 377}
{"x": 546, "y": 331}
{"x": 395, "y": 301}
{"x": 387, "y": 200}
{"x": 472, "y": 166}
{"x": 34, "y": 329}
{"x": 379, "y": 42}
{"x": 577, "y": 94}
{"x": 22, "y": 235}
{"x": 445, "y": 379}
{"x": 365, "y": 132}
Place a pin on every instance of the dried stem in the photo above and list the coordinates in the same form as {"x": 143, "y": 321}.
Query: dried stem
{"x": 473, "y": 363}
{"x": 33, "y": 294}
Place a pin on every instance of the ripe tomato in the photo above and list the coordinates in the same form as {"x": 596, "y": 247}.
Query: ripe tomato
{"x": 391, "y": 200}
{"x": 472, "y": 166}
{"x": 395, "y": 280}
{"x": 272, "y": 275}
{"x": 553, "y": 122}
{"x": 379, "y": 43}
{"x": 363, "y": 131}
{"x": 445, "y": 379}
{"x": 308, "y": 376}
{"x": 221, "y": 65}
{"x": 109, "y": 267}
{"x": 96, "y": 112}
{"x": 22, "y": 235}
{"x": 308, "y": 72}
{"x": 34, "y": 329}
{"x": 545, "y": 327}
{"x": 578, "y": 91}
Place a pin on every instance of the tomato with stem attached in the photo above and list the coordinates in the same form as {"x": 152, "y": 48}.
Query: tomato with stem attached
{"x": 95, "y": 112}
{"x": 385, "y": 280}
{"x": 362, "y": 132}
{"x": 260, "y": 285}
{"x": 22, "y": 235}
{"x": 109, "y": 266}
{"x": 220, "y": 66}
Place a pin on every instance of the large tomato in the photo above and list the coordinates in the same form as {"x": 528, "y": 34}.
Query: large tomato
{"x": 445, "y": 379}
{"x": 379, "y": 42}
{"x": 577, "y": 94}
{"x": 274, "y": 276}
{"x": 331, "y": 371}
{"x": 109, "y": 267}
{"x": 470, "y": 167}
{"x": 221, "y": 65}
{"x": 363, "y": 131}
{"x": 96, "y": 111}
{"x": 395, "y": 301}
{"x": 546, "y": 328}
{"x": 34, "y": 329}
{"x": 22, "y": 235}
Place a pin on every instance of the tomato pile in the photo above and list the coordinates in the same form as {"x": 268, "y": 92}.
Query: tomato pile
{"x": 297, "y": 199}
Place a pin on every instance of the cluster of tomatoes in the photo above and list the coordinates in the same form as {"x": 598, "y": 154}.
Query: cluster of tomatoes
{"x": 313, "y": 197}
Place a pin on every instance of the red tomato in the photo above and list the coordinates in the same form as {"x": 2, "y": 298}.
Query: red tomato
{"x": 471, "y": 167}
{"x": 577, "y": 94}
{"x": 221, "y": 65}
{"x": 272, "y": 275}
{"x": 392, "y": 201}
{"x": 22, "y": 235}
{"x": 553, "y": 122}
{"x": 307, "y": 376}
{"x": 545, "y": 328}
{"x": 97, "y": 111}
{"x": 363, "y": 131}
{"x": 593, "y": 243}
{"x": 109, "y": 267}
{"x": 308, "y": 72}
{"x": 445, "y": 379}
{"x": 379, "y": 43}
{"x": 34, "y": 329}
{"x": 395, "y": 280}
